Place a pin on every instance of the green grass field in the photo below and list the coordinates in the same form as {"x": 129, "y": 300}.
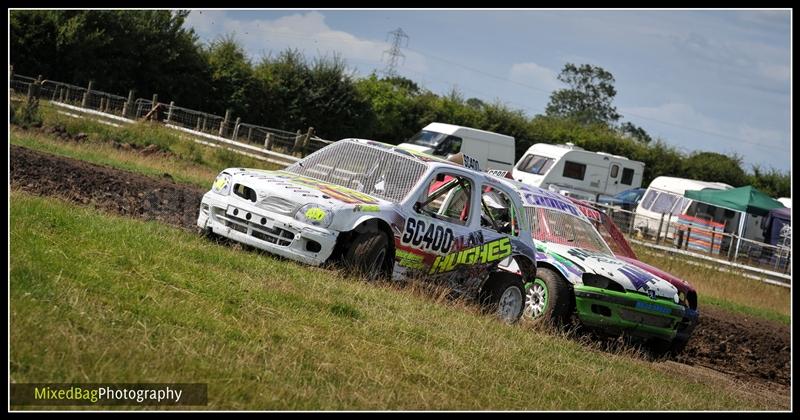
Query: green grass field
{"x": 99, "y": 298}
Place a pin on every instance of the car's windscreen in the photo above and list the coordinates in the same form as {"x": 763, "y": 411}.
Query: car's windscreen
{"x": 558, "y": 227}
{"x": 367, "y": 169}
{"x": 535, "y": 164}
{"x": 427, "y": 138}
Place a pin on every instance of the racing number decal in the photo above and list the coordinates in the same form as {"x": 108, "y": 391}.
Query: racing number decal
{"x": 481, "y": 254}
{"x": 427, "y": 236}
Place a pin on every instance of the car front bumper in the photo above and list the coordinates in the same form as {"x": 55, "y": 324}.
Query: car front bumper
{"x": 275, "y": 233}
{"x": 632, "y": 313}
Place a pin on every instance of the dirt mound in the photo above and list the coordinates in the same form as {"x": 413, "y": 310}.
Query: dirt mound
{"x": 109, "y": 189}
{"x": 742, "y": 346}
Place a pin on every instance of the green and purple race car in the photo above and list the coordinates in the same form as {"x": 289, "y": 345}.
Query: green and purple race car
{"x": 577, "y": 273}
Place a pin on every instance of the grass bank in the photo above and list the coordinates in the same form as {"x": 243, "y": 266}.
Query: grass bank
{"x": 99, "y": 298}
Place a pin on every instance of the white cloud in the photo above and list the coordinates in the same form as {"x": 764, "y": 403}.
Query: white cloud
{"x": 307, "y": 32}
{"x": 535, "y": 75}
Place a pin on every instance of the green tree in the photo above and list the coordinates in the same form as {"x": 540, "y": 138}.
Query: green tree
{"x": 715, "y": 167}
{"x": 233, "y": 83}
{"x": 589, "y": 96}
{"x": 322, "y": 95}
{"x": 771, "y": 181}
{"x": 146, "y": 50}
{"x": 635, "y": 132}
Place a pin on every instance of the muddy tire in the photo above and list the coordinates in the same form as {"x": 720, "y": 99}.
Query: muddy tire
{"x": 208, "y": 233}
{"x": 548, "y": 299}
{"x": 368, "y": 255}
{"x": 504, "y": 296}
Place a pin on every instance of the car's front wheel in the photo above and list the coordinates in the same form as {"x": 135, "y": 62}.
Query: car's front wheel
{"x": 369, "y": 255}
{"x": 548, "y": 299}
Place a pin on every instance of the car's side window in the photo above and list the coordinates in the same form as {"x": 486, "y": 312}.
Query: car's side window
{"x": 447, "y": 197}
{"x": 498, "y": 212}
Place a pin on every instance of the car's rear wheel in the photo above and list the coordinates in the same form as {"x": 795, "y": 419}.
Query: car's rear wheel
{"x": 548, "y": 299}
{"x": 504, "y": 295}
{"x": 368, "y": 256}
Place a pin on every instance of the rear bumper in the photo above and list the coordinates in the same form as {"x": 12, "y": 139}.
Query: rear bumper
{"x": 271, "y": 232}
{"x": 631, "y": 313}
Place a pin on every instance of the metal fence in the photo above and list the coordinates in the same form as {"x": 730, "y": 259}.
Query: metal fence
{"x": 707, "y": 242}
{"x": 273, "y": 139}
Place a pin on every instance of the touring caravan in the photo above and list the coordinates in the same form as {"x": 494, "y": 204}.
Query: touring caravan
{"x": 575, "y": 172}
{"x": 665, "y": 196}
{"x": 491, "y": 150}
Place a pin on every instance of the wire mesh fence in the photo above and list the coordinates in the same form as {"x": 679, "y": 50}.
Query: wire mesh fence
{"x": 703, "y": 238}
{"x": 301, "y": 142}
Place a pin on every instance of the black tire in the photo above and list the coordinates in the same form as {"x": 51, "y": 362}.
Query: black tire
{"x": 368, "y": 255}
{"x": 500, "y": 292}
{"x": 556, "y": 307}
{"x": 208, "y": 233}
{"x": 678, "y": 344}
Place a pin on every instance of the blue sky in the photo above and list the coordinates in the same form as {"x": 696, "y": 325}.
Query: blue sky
{"x": 700, "y": 80}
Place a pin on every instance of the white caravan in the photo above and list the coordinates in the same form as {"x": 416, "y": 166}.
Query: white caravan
{"x": 665, "y": 196}
{"x": 570, "y": 170}
{"x": 492, "y": 150}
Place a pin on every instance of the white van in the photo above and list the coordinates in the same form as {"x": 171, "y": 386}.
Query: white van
{"x": 665, "y": 196}
{"x": 492, "y": 150}
{"x": 575, "y": 172}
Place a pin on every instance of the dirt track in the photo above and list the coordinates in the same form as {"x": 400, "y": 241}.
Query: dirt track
{"x": 741, "y": 346}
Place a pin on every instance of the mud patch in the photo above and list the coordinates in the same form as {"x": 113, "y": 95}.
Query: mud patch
{"x": 109, "y": 189}
{"x": 740, "y": 345}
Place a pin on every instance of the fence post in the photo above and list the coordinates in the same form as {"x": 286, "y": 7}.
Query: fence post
{"x": 298, "y": 141}
{"x": 666, "y": 230}
{"x": 236, "y": 128}
{"x": 128, "y": 105}
{"x": 688, "y": 237}
{"x": 224, "y": 123}
{"x": 268, "y": 141}
{"x": 713, "y": 234}
{"x": 102, "y": 103}
{"x": 169, "y": 112}
{"x": 249, "y": 133}
{"x": 307, "y": 140}
{"x": 203, "y": 128}
{"x": 86, "y": 95}
{"x": 658, "y": 235}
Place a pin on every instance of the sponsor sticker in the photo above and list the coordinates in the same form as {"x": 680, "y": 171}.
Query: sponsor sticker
{"x": 427, "y": 236}
{"x": 481, "y": 254}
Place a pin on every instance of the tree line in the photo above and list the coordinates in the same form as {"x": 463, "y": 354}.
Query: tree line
{"x": 152, "y": 51}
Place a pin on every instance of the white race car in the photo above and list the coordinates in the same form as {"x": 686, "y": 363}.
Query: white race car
{"x": 385, "y": 212}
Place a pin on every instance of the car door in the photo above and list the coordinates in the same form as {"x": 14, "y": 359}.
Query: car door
{"x": 443, "y": 221}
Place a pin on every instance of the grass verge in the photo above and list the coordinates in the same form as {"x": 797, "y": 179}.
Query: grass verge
{"x": 726, "y": 290}
{"x": 99, "y": 298}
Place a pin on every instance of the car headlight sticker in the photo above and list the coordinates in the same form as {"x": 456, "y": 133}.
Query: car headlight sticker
{"x": 222, "y": 185}
{"x": 314, "y": 215}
